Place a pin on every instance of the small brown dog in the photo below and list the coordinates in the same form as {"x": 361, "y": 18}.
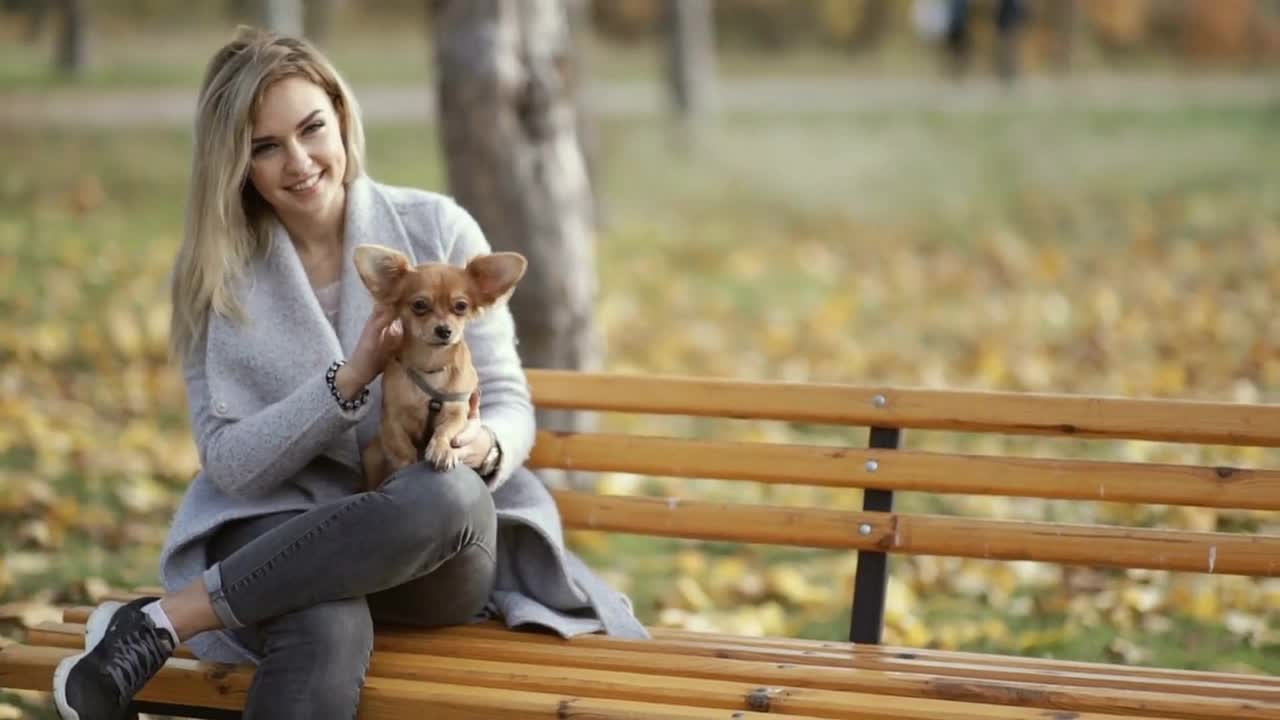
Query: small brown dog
{"x": 427, "y": 386}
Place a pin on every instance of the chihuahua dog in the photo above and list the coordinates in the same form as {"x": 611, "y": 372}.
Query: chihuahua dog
{"x": 427, "y": 386}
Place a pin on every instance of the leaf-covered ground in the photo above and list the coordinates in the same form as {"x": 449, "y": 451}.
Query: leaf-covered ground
{"x": 1073, "y": 249}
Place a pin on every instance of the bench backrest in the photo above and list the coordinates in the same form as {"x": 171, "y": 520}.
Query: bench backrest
{"x": 885, "y": 469}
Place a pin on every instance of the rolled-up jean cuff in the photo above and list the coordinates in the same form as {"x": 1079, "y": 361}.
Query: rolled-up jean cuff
{"x": 218, "y": 599}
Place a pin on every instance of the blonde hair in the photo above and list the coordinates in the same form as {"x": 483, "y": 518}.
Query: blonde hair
{"x": 227, "y": 221}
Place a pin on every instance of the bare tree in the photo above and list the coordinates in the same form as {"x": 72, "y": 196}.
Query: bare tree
{"x": 588, "y": 131}
{"x": 509, "y": 134}
{"x": 37, "y": 12}
{"x": 872, "y": 27}
{"x": 73, "y": 38}
{"x": 690, "y": 58}
{"x": 318, "y": 18}
{"x": 281, "y": 16}
{"x": 1064, "y": 20}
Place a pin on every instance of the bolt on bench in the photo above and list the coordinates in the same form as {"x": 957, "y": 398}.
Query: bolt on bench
{"x": 486, "y": 671}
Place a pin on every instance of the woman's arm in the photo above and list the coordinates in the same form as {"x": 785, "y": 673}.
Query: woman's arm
{"x": 251, "y": 456}
{"x": 505, "y": 405}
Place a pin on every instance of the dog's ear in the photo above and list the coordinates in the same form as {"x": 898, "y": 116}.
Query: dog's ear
{"x": 382, "y": 270}
{"x": 494, "y": 276}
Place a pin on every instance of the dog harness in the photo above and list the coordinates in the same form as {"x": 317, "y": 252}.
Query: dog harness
{"x": 438, "y": 399}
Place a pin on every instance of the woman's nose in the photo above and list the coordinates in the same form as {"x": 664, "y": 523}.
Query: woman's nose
{"x": 296, "y": 157}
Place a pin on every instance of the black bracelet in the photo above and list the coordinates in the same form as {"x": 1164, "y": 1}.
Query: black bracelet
{"x": 331, "y": 377}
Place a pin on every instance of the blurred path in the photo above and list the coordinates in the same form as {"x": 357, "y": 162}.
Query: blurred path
{"x": 141, "y": 108}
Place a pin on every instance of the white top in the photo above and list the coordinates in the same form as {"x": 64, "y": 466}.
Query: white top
{"x": 328, "y": 297}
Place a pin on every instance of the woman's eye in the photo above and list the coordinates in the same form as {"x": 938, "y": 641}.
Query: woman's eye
{"x": 313, "y": 127}
{"x": 260, "y": 149}
{"x": 421, "y": 307}
{"x": 460, "y": 306}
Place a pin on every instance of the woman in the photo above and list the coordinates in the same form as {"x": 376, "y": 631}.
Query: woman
{"x": 274, "y": 557}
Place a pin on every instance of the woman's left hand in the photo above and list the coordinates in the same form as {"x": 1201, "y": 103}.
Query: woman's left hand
{"x": 474, "y": 441}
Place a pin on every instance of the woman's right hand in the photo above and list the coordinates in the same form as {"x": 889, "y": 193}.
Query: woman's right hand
{"x": 379, "y": 341}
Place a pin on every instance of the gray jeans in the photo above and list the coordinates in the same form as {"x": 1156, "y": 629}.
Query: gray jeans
{"x": 302, "y": 589}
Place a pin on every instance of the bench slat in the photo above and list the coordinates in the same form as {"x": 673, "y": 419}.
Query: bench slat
{"x": 1223, "y": 553}
{"x": 1027, "y": 691}
{"x": 551, "y": 663}
{"x": 958, "y": 656}
{"x": 1014, "y": 413}
{"x": 458, "y": 702}
{"x": 551, "y": 649}
{"x": 189, "y": 682}
{"x": 737, "y": 695}
{"x": 669, "y": 640}
{"x": 651, "y": 676}
{"x": 842, "y": 467}
{"x": 29, "y": 667}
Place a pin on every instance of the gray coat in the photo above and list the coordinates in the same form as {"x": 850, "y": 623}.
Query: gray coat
{"x": 272, "y": 439}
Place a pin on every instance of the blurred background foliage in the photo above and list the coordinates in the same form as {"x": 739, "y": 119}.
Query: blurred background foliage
{"x": 1050, "y": 237}
{"x": 148, "y": 42}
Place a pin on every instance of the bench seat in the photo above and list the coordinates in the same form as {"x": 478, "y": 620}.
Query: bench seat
{"x": 684, "y": 674}
{"x": 487, "y": 671}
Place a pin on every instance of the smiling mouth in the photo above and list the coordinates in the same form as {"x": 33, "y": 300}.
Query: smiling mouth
{"x": 305, "y": 184}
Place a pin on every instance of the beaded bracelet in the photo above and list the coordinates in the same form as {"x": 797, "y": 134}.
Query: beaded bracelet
{"x": 331, "y": 377}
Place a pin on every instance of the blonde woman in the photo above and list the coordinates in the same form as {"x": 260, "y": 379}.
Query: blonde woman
{"x": 274, "y": 557}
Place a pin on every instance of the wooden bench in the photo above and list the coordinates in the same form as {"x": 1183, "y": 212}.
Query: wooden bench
{"x": 487, "y": 671}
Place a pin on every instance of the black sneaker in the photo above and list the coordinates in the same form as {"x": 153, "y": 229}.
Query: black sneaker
{"x": 123, "y": 650}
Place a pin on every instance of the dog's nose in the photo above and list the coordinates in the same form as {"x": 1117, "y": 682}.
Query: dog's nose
{"x": 444, "y": 332}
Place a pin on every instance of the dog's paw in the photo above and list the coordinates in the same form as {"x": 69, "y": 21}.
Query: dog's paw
{"x": 441, "y": 455}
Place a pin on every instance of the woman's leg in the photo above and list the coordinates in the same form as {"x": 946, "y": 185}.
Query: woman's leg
{"x": 454, "y": 594}
{"x": 413, "y": 525}
{"x": 370, "y": 542}
{"x": 314, "y": 659}
{"x": 314, "y": 662}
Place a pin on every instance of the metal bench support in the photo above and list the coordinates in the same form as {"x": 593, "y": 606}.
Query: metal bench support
{"x": 872, "y": 578}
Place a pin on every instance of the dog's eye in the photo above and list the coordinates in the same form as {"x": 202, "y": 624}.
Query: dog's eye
{"x": 421, "y": 307}
{"x": 460, "y": 306}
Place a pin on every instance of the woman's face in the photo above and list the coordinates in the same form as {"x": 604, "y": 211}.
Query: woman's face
{"x": 297, "y": 159}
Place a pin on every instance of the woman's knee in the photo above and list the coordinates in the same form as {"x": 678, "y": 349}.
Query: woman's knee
{"x": 470, "y": 576}
{"x": 453, "y": 594}
{"x": 457, "y": 497}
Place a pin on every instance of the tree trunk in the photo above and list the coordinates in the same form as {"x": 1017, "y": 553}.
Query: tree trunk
{"x": 318, "y": 19}
{"x": 283, "y": 17}
{"x": 1064, "y": 21}
{"x": 690, "y": 58}
{"x": 73, "y": 38}
{"x": 509, "y": 136}
{"x": 579, "y": 15}
{"x": 872, "y": 26}
{"x": 37, "y": 18}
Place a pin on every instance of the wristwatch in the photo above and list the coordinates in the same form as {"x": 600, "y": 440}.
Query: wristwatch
{"x": 492, "y": 459}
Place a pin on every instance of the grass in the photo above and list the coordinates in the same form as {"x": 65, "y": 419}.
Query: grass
{"x": 1074, "y": 249}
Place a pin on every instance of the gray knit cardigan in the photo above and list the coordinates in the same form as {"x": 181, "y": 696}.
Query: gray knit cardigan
{"x": 272, "y": 439}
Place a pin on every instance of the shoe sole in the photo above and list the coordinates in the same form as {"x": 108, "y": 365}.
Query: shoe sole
{"x": 97, "y": 626}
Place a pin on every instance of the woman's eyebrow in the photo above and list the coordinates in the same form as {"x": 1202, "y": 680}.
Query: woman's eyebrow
{"x": 310, "y": 116}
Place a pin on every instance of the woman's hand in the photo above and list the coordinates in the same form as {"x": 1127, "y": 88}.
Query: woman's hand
{"x": 473, "y": 441}
{"x": 379, "y": 341}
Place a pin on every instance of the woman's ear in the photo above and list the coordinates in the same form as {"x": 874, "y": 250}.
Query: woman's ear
{"x": 382, "y": 270}
{"x": 494, "y": 276}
